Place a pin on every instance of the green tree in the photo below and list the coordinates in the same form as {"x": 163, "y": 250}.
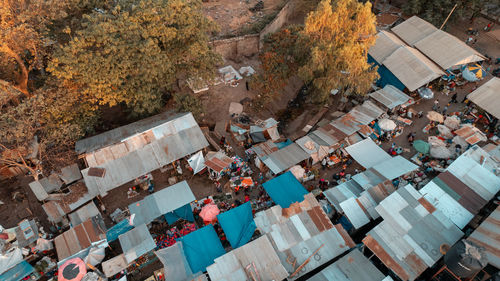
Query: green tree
{"x": 136, "y": 51}
{"x": 188, "y": 103}
{"x": 340, "y": 34}
{"x": 436, "y": 11}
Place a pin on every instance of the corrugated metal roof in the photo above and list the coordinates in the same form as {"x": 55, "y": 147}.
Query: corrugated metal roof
{"x": 394, "y": 167}
{"x": 368, "y": 178}
{"x": 487, "y": 235}
{"x": 70, "y": 173}
{"x": 84, "y": 213}
{"x": 487, "y": 96}
{"x": 342, "y": 192}
{"x": 136, "y": 242}
{"x": 447, "y": 50}
{"x": 26, "y": 233}
{"x": 285, "y": 158}
{"x": 385, "y": 45}
{"x": 79, "y": 237}
{"x": 122, "y": 133}
{"x": 352, "y": 267}
{"x": 412, "y": 68}
{"x": 264, "y": 149}
{"x": 390, "y": 96}
{"x": 446, "y": 204}
{"x": 217, "y": 161}
{"x": 408, "y": 240}
{"x": 297, "y": 232}
{"x": 161, "y": 202}
{"x": 367, "y": 153}
{"x": 257, "y": 258}
{"x": 355, "y": 212}
{"x": 150, "y": 156}
{"x": 413, "y": 30}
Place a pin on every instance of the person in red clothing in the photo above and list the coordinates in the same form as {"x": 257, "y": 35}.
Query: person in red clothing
{"x": 247, "y": 198}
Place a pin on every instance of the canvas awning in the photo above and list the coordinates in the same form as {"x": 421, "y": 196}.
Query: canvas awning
{"x": 487, "y": 96}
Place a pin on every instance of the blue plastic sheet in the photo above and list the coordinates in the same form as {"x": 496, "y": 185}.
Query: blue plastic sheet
{"x": 238, "y": 225}
{"x": 286, "y": 143}
{"x": 183, "y": 212}
{"x": 201, "y": 248}
{"x": 386, "y": 76}
{"x": 18, "y": 272}
{"x": 285, "y": 190}
{"x": 118, "y": 229}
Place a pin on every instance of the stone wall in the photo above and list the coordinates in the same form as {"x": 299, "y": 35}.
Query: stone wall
{"x": 249, "y": 45}
{"x": 236, "y": 47}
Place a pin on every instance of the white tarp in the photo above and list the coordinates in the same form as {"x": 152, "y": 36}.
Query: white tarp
{"x": 10, "y": 258}
{"x": 197, "y": 162}
{"x": 235, "y": 108}
{"x": 44, "y": 244}
{"x": 95, "y": 256}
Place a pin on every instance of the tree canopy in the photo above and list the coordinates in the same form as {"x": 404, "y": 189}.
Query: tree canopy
{"x": 340, "y": 34}
{"x": 136, "y": 51}
{"x": 436, "y": 11}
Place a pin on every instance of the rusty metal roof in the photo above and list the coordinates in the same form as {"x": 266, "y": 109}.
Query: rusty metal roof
{"x": 144, "y": 153}
{"x": 352, "y": 267}
{"x": 217, "y": 161}
{"x": 79, "y": 237}
{"x": 408, "y": 240}
{"x": 298, "y": 231}
{"x": 257, "y": 258}
{"x": 487, "y": 235}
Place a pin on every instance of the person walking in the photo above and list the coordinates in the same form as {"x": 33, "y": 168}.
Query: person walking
{"x": 454, "y": 98}
{"x": 445, "y": 109}
{"x": 435, "y": 107}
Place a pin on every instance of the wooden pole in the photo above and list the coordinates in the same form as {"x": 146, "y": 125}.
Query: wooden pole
{"x": 448, "y": 17}
{"x": 306, "y": 261}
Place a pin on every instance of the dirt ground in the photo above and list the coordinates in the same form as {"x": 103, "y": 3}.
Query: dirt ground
{"x": 234, "y": 15}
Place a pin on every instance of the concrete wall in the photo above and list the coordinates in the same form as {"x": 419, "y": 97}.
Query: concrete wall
{"x": 249, "y": 45}
{"x": 280, "y": 20}
{"x": 233, "y": 48}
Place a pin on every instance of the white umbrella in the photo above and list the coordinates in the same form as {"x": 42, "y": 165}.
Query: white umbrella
{"x": 426, "y": 93}
{"x": 43, "y": 245}
{"x": 459, "y": 140}
{"x": 452, "y": 122}
{"x": 386, "y": 124}
{"x": 444, "y": 131}
{"x": 435, "y": 141}
{"x": 435, "y": 116}
{"x": 440, "y": 152}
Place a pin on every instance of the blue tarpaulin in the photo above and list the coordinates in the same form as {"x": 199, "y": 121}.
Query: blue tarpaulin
{"x": 285, "y": 190}
{"x": 386, "y": 76}
{"x": 18, "y": 272}
{"x": 286, "y": 143}
{"x": 201, "y": 248}
{"x": 118, "y": 229}
{"x": 238, "y": 225}
{"x": 183, "y": 212}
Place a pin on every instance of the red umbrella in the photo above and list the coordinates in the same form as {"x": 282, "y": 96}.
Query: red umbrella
{"x": 72, "y": 270}
{"x": 209, "y": 213}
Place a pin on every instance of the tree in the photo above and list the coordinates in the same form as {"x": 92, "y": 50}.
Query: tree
{"x": 136, "y": 51}
{"x": 436, "y": 11}
{"x": 23, "y": 27}
{"x": 280, "y": 57}
{"x": 188, "y": 103}
{"x": 38, "y": 133}
{"x": 340, "y": 35}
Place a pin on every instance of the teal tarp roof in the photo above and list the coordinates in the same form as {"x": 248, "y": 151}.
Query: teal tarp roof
{"x": 184, "y": 212}
{"x": 201, "y": 248}
{"x": 18, "y": 272}
{"x": 238, "y": 225}
{"x": 285, "y": 190}
{"x": 118, "y": 229}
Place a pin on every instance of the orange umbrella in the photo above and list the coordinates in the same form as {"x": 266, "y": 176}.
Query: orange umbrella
{"x": 72, "y": 270}
{"x": 209, "y": 212}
